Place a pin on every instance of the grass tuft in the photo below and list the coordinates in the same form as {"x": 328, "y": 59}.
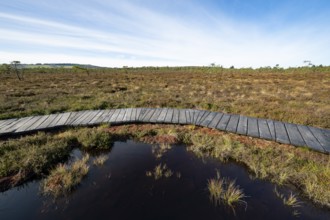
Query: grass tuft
{"x": 100, "y": 160}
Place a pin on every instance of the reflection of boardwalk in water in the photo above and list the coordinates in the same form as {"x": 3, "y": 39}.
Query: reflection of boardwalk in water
{"x": 286, "y": 133}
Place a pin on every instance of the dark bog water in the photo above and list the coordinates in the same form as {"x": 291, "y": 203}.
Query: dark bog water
{"x": 120, "y": 189}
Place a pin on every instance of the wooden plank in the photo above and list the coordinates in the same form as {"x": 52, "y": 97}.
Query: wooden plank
{"x": 169, "y": 116}
{"x": 81, "y": 118}
{"x": 223, "y": 122}
{"x": 121, "y": 115}
{"x": 294, "y": 135}
{"x": 3, "y": 122}
{"x": 215, "y": 121}
{"x": 207, "y": 120}
{"x": 148, "y": 115}
{"x": 195, "y": 116}
{"x": 102, "y": 118}
{"x": 309, "y": 138}
{"x": 46, "y": 123}
{"x": 14, "y": 125}
{"x": 27, "y": 125}
{"x": 242, "y": 125}
{"x": 62, "y": 121}
{"x": 281, "y": 133}
{"x": 162, "y": 115}
{"x": 233, "y": 123}
{"x": 112, "y": 115}
{"x": 200, "y": 115}
{"x": 90, "y": 117}
{"x": 175, "y": 118}
{"x": 271, "y": 127}
{"x": 264, "y": 129}
{"x": 143, "y": 111}
{"x": 37, "y": 123}
{"x": 182, "y": 116}
{"x": 323, "y": 139}
{"x": 54, "y": 122}
{"x": 252, "y": 128}
{"x": 133, "y": 115}
{"x": 202, "y": 118}
{"x": 94, "y": 120}
{"x": 155, "y": 116}
{"x": 138, "y": 111}
{"x": 74, "y": 117}
{"x": 127, "y": 117}
{"x": 189, "y": 116}
{"x": 8, "y": 122}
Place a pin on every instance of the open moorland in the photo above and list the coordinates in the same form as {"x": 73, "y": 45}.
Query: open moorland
{"x": 297, "y": 95}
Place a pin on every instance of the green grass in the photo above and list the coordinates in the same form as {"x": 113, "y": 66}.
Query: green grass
{"x": 63, "y": 179}
{"x": 224, "y": 190}
{"x": 159, "y": 172}
{"x": 298, "y": 95}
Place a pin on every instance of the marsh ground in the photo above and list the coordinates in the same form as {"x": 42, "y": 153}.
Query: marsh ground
{"x": 298, "y": 95}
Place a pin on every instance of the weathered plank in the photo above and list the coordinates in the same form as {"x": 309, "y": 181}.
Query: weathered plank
{"x": 90, "y": 117}
{"x": 264, "y": 129}
{"x": 47, "y": 122}
{"x": 162, "y": 115}
{"x": 128, "y": 114}
{"x": 138, "y": 111}
{"x": 294, "y": 135}
{"x": 120, "y": 116}
{"x": 188, "y": 116}
{"x": 223, "y": 122}
{"x": 155, "y": 116}
{"x": 94, "y": 120}
{"x": 232, "y": 123}
{"x": 200, "y": 116}
{"x": 3, "y": 122}
{"x": 112, "y": 116}
{"x": 143, "y": 111}
{"x": 182, "y": 116}
{"x": 74, "y": 116}
{"x": 201, "y": 119}
{"x": 81, "y": 118}
{"x": 309, "y": 138}
{"x": 8, "y": 122}
{"x": 54, "y": 122}
{"x": 281, "y": 134}
{"x": 101, "y": 118}
{"x": 175, "y": 118}
{"x": 215, "y": 121}
{"x": 242, "y": 125}
{"x": 271, "y": 127}
{"x": 37, "y": 123}
{"x": 148, "y": 115}
{"x": 322, "y": 138}
{"x": 133, "y": 115}
{"x": 195, "y": 115}
{"x": 10, "y": 127}
{"x": 26, "y": 125}
{"x": 252, "y": 128}
{"x": 207, "y": 120}
{"x": 169, "y": 116}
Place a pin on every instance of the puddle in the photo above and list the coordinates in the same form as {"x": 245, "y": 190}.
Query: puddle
{"x": 121, "y": 189}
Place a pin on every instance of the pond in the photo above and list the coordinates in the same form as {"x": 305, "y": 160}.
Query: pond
{"x": 122, "y": 188}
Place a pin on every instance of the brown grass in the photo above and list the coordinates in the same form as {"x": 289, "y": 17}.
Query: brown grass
{"x": 298, "y": 95}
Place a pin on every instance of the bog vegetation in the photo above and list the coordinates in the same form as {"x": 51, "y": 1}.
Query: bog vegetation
{"x": 39, "y": 155}
{"x": 297, "y": 95}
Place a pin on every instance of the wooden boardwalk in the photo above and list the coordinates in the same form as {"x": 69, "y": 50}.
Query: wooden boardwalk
{"x": 286, "y": 133}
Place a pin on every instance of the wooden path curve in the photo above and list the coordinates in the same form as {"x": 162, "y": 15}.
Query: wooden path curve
{"x": 298, "y": 135}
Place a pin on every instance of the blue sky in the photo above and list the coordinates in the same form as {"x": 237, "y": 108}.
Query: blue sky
{"x": 243, "y": 33}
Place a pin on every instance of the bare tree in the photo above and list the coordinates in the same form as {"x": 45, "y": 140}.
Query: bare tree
{"x": 15, "y": 68}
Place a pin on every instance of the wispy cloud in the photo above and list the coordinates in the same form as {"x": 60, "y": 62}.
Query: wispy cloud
{"x": 135, "y": 34}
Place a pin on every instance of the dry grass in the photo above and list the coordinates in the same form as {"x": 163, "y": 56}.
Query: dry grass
{"x": 159, "y": 172}
{"x": 100, "y": 160}
{"x": 298, "y": 95}
{"x": 63, "y": 179}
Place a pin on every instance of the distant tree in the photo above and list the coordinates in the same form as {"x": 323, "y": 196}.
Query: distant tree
{"x": 15, "y": 68}
{"x": 232, "y": 67}
{"x": 212, "y": 64}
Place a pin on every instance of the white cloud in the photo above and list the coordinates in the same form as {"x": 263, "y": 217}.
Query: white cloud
{"x": 133, "y": 35}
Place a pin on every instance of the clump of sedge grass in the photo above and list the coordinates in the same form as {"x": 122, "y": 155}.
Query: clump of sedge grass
{"x": 100, "y": 160}
{"x": 160, "y": 150}
{"x": 95, "y": 138}
{"x": 63, "y": 179}
{"x": 224, "y": 190}
{"x": 160, "y": 171}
